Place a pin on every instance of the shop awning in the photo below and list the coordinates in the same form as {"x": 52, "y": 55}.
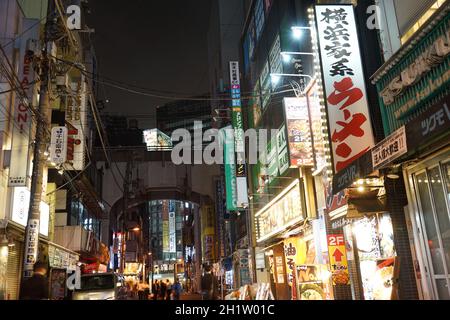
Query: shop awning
{"x": 359, "y": 207}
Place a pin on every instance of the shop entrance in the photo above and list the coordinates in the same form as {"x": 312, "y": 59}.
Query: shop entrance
{"x": 432, "y": 187}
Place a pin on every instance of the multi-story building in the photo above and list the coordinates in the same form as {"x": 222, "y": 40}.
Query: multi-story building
{"x": 287, "y": 60}
{"x": 412, "y": 86}
{"x": 71, "y": 202}
{"x": 225, "y": 27}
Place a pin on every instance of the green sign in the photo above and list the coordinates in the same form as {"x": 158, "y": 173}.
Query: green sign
{"x": 230, "y": 168}
{"x": 420, "y": 76}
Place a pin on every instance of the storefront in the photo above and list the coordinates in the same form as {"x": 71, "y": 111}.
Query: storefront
{"x": 292, "y": 249}
{"x": 415, "y": 97}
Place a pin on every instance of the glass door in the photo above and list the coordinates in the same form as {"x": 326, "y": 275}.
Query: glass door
{"x": 432, "y": 187}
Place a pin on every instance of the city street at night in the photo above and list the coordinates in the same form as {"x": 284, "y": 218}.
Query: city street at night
{"x": 238, "y": 156}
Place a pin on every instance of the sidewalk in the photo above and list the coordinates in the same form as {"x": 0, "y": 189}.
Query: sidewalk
{"x": 191, "y": 296}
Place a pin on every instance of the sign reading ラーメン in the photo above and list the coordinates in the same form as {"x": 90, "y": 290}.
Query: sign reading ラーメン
{"x": 346, "y": 98}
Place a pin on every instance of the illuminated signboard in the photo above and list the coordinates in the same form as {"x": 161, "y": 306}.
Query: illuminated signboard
{"x": 156, "y": 140}
{"x": 345, "y": 88}
{"x": 299, "y": 131}
{"x": 20, "y": 208}
{"x": 282, "y": 212}
{"x": 58, "y": 145}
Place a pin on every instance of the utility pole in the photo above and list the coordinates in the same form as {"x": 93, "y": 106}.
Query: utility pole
{"x": 126, "y": 187}
{"x": 40, "y": 146}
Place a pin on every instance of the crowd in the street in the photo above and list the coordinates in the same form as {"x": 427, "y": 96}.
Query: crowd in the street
{"x": 165, "y": 290}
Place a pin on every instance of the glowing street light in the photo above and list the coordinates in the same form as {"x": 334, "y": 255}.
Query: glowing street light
{"x": 297, "y": 32}
{"x": 276, "y": 77}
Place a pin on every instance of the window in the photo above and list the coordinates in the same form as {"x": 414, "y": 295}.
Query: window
{"x": 259, "y": 18}
{"x": 403, "y": 16}
{"x": 265, "y": 85}
{"x": 276, "y": 65}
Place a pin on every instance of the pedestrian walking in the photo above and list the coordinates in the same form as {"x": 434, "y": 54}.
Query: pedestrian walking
{"x": 207, "y": 284}
{"x": 156, "y": 290}
{"x": 163, "y": 290}
{"x": 177, "y": 290}
{"x": 169, "y": 289}
{"x": 36, "y": 287}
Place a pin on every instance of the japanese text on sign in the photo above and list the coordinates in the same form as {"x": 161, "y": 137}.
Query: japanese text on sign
{"x": 338, "y": 259}
{"x": 348, "y": 114}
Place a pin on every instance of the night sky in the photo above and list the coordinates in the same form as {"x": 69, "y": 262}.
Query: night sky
{"x": 155, "y": 44}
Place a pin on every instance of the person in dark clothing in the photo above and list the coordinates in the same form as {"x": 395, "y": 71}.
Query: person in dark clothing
{"x": 162, "y": 290}
{"x": 156, "y": 290}
{"x": 36, "y": 287}
{"x": 207, "y": 284}
{"x": 169, "y": 289}
{"x": 176, "y": 290}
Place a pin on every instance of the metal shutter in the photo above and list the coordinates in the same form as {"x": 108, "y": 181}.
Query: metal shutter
{"x": 14, "y": 271}
{"x": 408, "y": 12}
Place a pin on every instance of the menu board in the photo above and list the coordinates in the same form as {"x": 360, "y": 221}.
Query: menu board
{"x": 299, "y": 132}
{"x": 310, "y": 286}
{"x": 57, "y": 284}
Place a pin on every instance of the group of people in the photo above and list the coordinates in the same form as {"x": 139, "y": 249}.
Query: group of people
{"x": 165, "y": 290}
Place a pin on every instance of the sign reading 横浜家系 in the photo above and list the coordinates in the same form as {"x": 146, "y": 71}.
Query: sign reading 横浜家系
{"x": 345, "y": 88}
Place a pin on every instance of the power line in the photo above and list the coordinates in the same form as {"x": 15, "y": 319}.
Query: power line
{"x": 153, "y": 93}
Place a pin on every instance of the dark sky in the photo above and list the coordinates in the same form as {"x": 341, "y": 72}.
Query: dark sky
{"x": 156, "y": 44}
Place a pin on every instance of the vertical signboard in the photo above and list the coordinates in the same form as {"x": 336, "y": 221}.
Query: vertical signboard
{"x": 338, "y": 259}
{"x": 282, "y": 150}
{"x": 229, "y": 167}
{"x": 172, "y": 227}
{"x": 31, "y": 247}
{"x": 299, "y": 131}
{"x": 238, "y": 126}
{"x": 345, "y": 89}
{"x": 165, "y": 226}
{"x": 58, "y": 145}
{"x": 20, "y": 149}
{"x": 77, "y": 126}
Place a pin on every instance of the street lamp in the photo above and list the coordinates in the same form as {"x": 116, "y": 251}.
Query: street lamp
{"x": 297, "y": 32}
{"x": 276, "y": 77}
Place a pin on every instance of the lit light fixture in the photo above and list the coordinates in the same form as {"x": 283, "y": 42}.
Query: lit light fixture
{"x": 297, "y": 32}
{"x": 149, "y": 253}
{"x": 286, "y": 57}
{"x": 46, "y": 154}
{"x": 361, "y": 189}
{"x": 275, "y": 79}
{"x": 360, "y": 182}
{"x": 61, "y": 171}
{"x": 136, "y": 229}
